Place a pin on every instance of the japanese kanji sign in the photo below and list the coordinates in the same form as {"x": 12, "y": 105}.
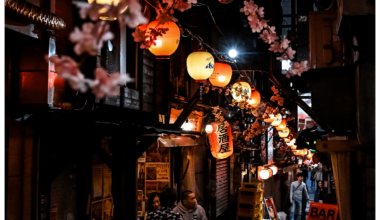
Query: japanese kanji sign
{"x": 221, "y": 140}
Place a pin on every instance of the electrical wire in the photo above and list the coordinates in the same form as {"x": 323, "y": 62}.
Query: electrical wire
{"x": 213, "y": 19}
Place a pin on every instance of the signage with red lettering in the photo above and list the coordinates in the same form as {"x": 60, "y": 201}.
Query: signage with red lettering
{"x": 322, "y": 211}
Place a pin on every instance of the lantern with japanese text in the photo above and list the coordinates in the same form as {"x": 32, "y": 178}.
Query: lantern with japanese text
{"x": 302, "y": 152}
{"x": 277, "y": 120}
{"x": 220, "y": 140}
{"x": 282, "y": 125}
{"x": 241, "y": 91}
{"x": 222, "y": 75}
{"x": 102, "y": 11}
{"x": 284, "y": 133}
{"x": 167, "y": 44}
{"x": 255, "y": 98}
{"x": 200, "y": 65}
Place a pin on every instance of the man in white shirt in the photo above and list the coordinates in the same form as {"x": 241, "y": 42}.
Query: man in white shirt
{"x": 297, "y": 188}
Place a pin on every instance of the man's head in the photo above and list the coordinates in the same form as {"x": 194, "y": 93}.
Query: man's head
{"x": 168, "y": 198}
{"x": 299, "y": 177}
{"x": 188, "y": 199}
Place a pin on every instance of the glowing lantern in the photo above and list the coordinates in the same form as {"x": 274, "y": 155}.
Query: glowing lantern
{"x": 222, "y": 75}
{"x": 166, "y": 44}
{"x": 264, "y": 174}
{"x": 291, "y": 143}
{"x": 277, "y": 120}
{"x": 104, "y": 10}
{"x": 255, "y": 98}
{"x": 284, "y": 133}
{"x": 302, "y": 152}
{"x": 208, "y": 129}
{"x": 245, "y": 89}
{"x": 293, "y": 147}
{"x": 309, "y": 155}
{"x": 221, "y": 140}
{"x": 274, "y": 169}
{"x": 187, "y": 126}
{"x": 282, "y": 125}
{"x": 200, "y": 65}
{"x": 287, "y": 140}
{"x": 270, "y": 119}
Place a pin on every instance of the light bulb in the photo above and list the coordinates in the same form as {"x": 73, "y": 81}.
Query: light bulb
{"x": 187, "y": 126}
{"x": 222, "y": 78}
{"x": 158, "y": 43}
{"x": 208, "y": 129}
{"x": 232, "y": 53}
{"x": 264, "y": 174}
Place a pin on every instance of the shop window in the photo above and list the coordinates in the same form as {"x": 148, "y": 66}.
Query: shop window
{"x": 102, "y": 201}
{"x": 153, "y": 175}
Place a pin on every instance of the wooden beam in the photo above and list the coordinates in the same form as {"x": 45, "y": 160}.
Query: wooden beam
{"x": 337, "y": 146}
{"x": 187, "y": 110}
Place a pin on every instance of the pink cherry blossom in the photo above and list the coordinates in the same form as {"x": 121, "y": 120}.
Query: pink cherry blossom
{"x": 285, "y": 42}
{"x": 91, "y": 38}
{"x": 108, "y": 84}
{"x": 290, "y": 53}
{"x": 261, "y": 12}
{"x": 183, "y": 6}
{"x": 138, "y": 35}
{"x": 283, "y": 57}
{"x": 297, "y": 68}
{"x": 249, "y": 8}
{"x": 133, "y": 17}
{"x": 90, "y": 10}
{"x": 169, "y": 2}
{"x": 269, "y": 37}
{"x": 66, "y": 68}
{"x": 276, "y": 47}
{"x": 164, "y": 17}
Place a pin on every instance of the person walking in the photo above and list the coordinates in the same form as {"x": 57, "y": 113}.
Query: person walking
{"x": 167, "y": 200}
{"x": 189, "y": 208}
{"x": 297, "y": 190}
{"x": 320, "y": 193}
{"x": 312, "y": 177}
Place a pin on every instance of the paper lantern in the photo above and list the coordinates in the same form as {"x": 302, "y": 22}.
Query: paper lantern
{"x": 264, "y": 174}
{"x": 101, "y": 12}
{"x": 200, "y": 65}
{"x": 310, "y": 155}
{"x": 221, "y": 75}
{"x": 287, "y": 140}
{"x": 284, "y": 133}
{"x": 241, "y": 91}
{"x": 302, "y": 152}
{"x": 270, "y": 119}
{"x": 166, "y": 44}
{"x": 221, "y": 140}
{"x": 208, "y": 129}
{"x": 293, "y": 147}
{"x": 282, "y": 125}
{"x": 277, "y": 120}
{"x": 187, "y": 126}
{"x": 255, "y": 98}
{"x": 274, "y": 169}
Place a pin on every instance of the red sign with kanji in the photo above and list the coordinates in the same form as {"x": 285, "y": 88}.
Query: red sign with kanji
{"x": 322, "y": 211}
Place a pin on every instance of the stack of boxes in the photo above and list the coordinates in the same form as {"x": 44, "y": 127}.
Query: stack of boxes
{"x": 250, "y": 199}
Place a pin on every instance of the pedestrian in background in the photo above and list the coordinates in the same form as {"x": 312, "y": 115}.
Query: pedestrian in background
{"x": 297, "y": 192}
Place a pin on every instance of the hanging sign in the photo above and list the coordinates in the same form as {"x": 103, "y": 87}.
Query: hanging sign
{"x": 221, "y": 140}
{"x": 322, "y": 211}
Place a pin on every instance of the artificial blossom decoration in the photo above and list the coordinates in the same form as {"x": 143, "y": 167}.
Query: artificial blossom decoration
{"x": 255, "y": 16}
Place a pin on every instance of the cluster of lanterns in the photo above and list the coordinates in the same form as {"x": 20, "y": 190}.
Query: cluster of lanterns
{"x": 267, "y": 172}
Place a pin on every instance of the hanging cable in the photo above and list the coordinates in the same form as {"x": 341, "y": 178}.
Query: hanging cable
{"x": 213, "y": 19}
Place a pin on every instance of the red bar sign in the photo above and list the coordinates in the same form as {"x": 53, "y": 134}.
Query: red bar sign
{"x": 322, "y": 211}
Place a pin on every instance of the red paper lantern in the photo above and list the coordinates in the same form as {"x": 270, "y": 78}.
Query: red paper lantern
{"x": 222, "y": 74}
{"x": 255, "y": 98}
{"x": 166, "y": 44}
{"x": 221, "y": 141}
{"x": 282, "y": 125}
